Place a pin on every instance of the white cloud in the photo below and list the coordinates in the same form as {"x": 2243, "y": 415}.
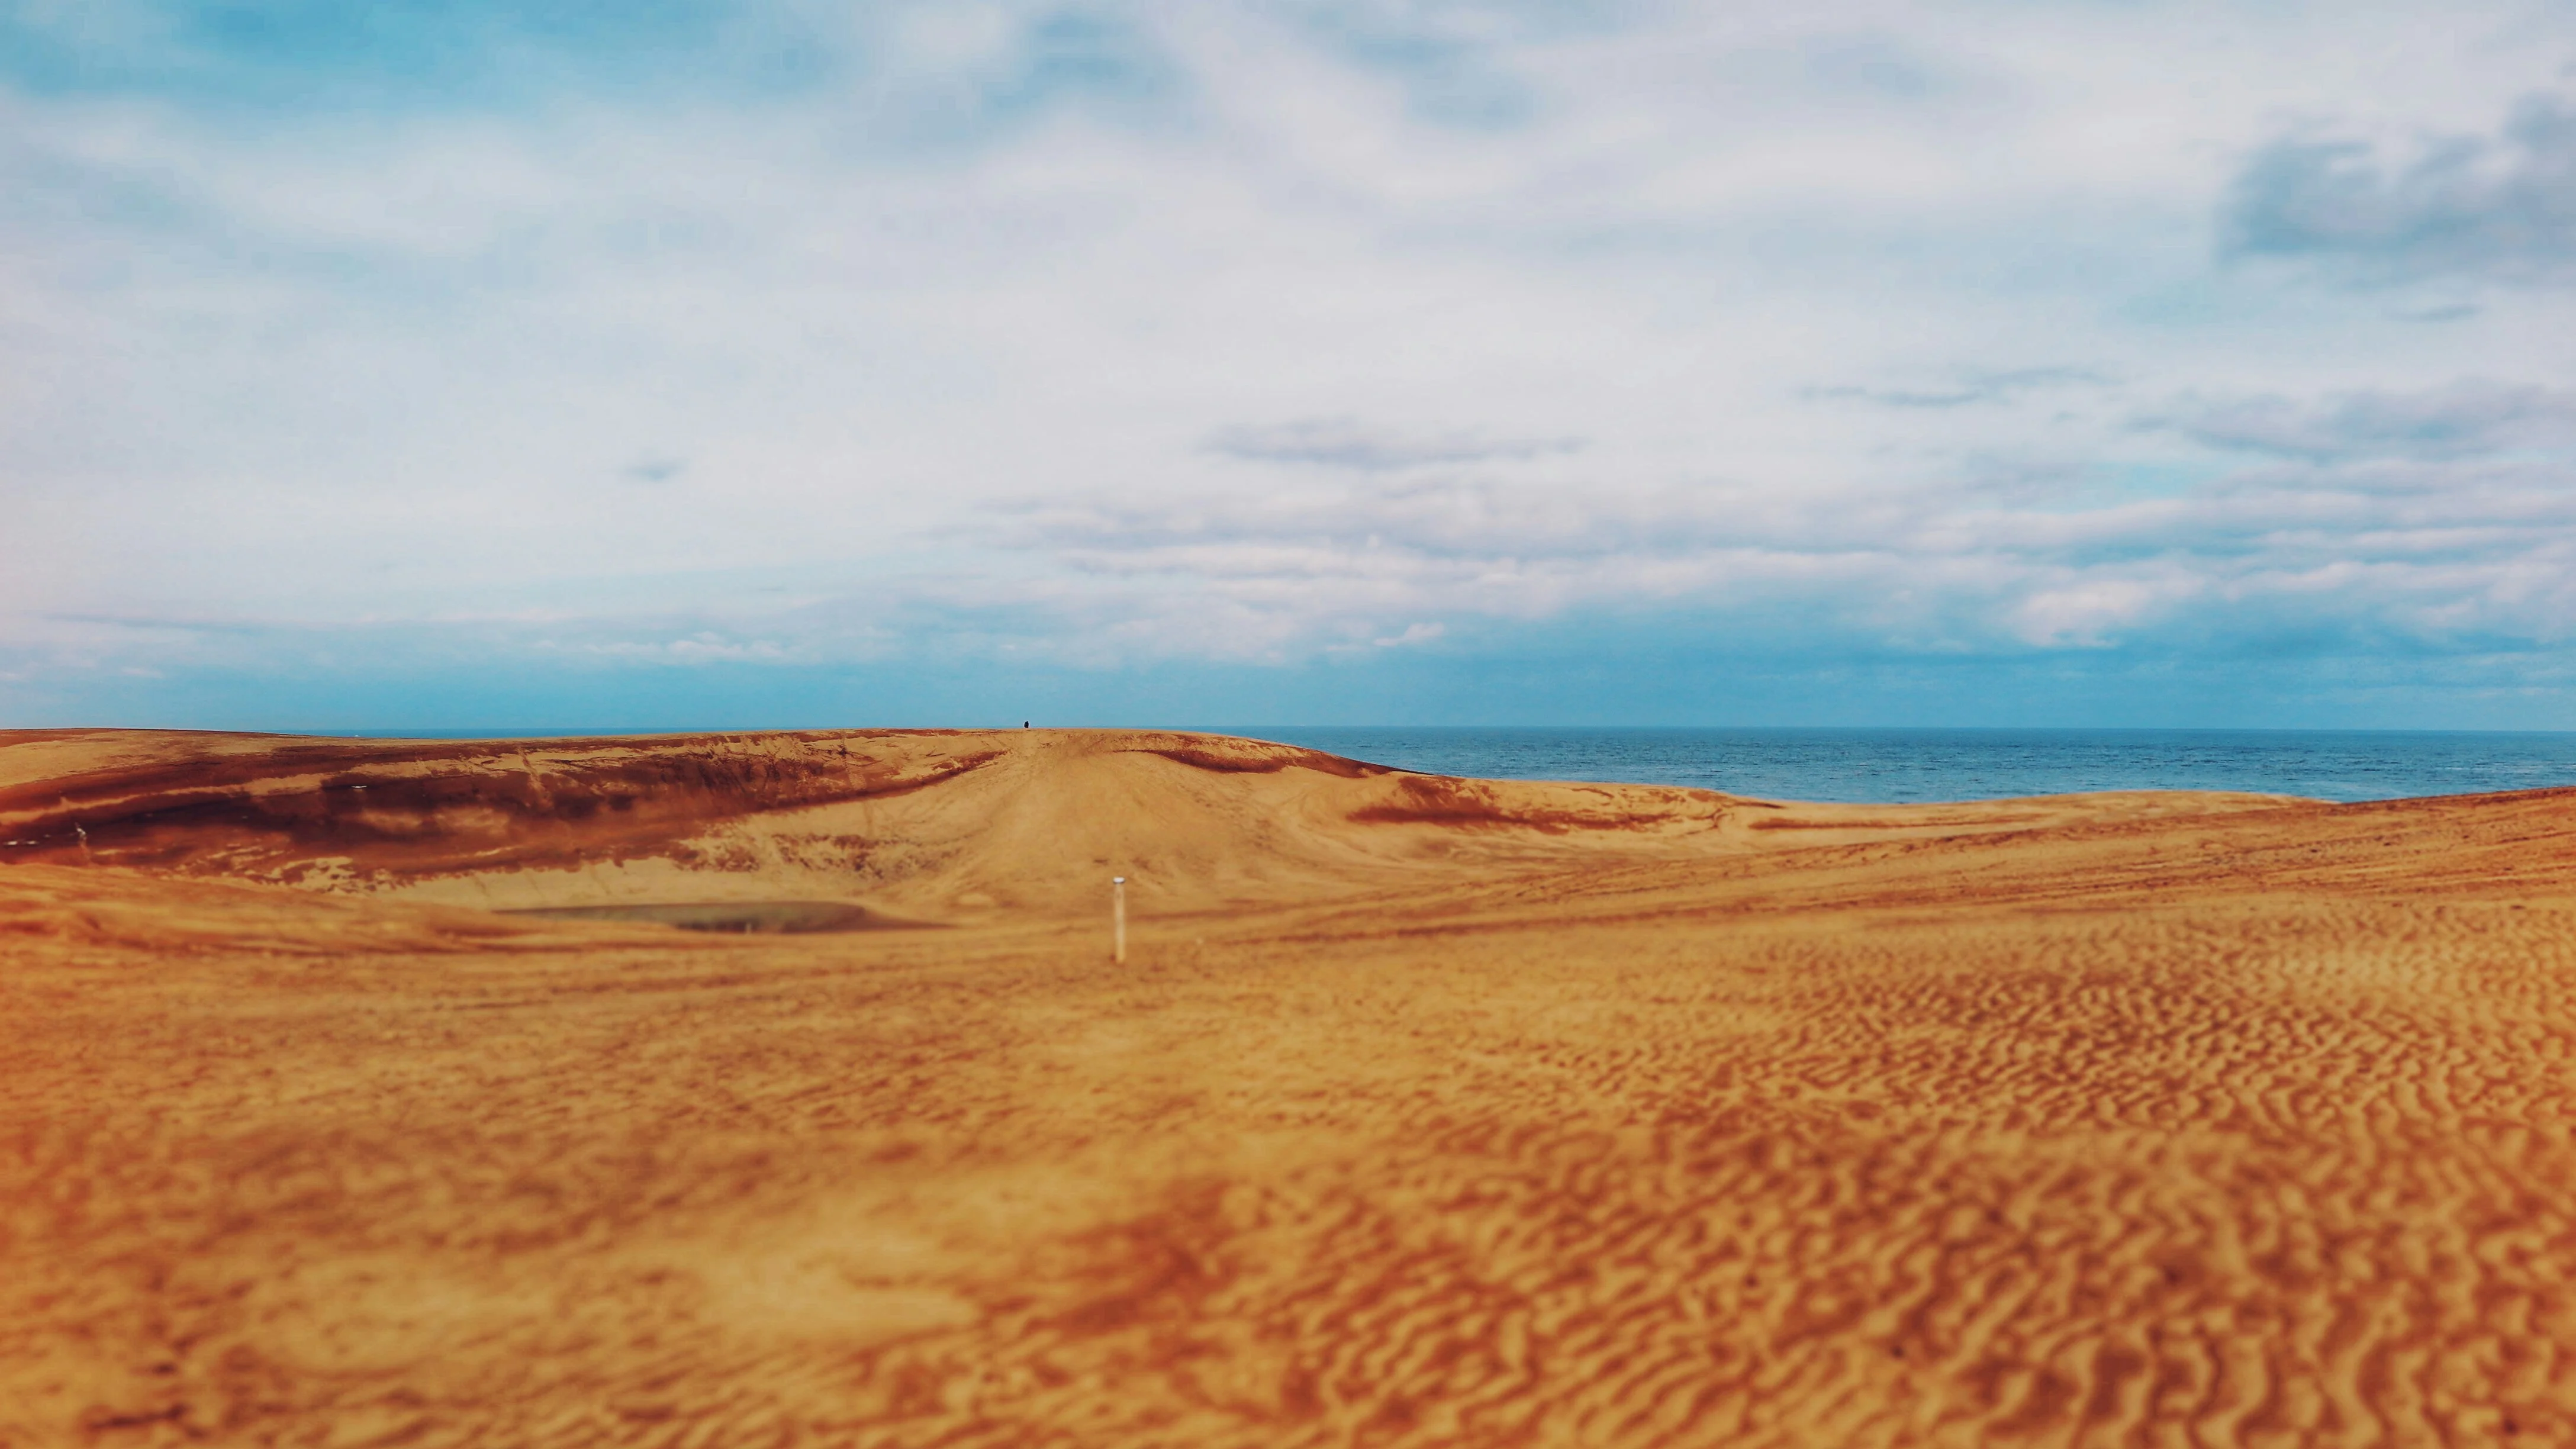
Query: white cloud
{"x": 2465, "y": 418}
{"x": 1371, "y": 448}
{"x": 2091, "y": 613}
{"x": 1212, "y": 332}
{"x": 703, "y": 647}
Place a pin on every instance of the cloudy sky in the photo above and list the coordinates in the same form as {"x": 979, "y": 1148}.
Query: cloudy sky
{"x": 430, "y": 363}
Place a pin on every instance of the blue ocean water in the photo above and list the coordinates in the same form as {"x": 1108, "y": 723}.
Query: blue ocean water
{"x": 1893, "y": 766}
{"x": 1898, "y": 766}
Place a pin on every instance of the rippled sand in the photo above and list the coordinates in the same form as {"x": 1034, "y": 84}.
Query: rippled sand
{"x": 1423, "y": 1112}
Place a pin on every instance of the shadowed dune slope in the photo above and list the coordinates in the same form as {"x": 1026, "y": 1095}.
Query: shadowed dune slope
{"x": 1425, "y": 1111}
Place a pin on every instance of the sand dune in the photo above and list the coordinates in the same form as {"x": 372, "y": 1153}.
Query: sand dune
{"x": 1425, "y": 1112}
{"x": 960, "y": 822}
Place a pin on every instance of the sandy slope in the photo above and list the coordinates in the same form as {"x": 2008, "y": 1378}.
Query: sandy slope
{"x": 1426, "y": 1112}
{"x": 952, "y": 823}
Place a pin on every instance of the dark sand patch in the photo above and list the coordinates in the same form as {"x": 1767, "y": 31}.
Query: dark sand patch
{"x": 789, "y": 918}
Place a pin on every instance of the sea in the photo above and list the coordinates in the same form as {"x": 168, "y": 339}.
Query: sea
{"x": 1898, "y": 766}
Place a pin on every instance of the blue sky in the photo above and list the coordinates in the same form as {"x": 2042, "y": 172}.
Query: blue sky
{"x": 673, "y": 363}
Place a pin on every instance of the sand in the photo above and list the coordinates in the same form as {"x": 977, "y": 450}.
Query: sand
{"x": 1423, "y": 1112}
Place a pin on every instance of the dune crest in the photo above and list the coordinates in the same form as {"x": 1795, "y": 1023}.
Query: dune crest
{"x": 953, "y": 822}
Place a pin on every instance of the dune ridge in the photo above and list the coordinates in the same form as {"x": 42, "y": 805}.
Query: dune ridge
{"x": 914, "y": 819}
{"x": 1424, "y": 1112}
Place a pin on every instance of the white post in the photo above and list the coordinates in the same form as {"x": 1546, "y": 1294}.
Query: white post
{"x": 1118, "y": 919}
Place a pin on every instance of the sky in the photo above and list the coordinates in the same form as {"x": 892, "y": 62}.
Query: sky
{"x": 433, "y": 364}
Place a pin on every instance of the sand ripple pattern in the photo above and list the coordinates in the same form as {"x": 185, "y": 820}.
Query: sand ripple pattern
{"x": 2167, "y": 1132}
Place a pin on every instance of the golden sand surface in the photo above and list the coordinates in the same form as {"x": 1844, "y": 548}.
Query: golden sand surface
{"x": 1423, "y": 1111}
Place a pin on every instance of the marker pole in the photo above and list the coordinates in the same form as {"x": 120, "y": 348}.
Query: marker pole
{"x": 1118, "y": 919}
